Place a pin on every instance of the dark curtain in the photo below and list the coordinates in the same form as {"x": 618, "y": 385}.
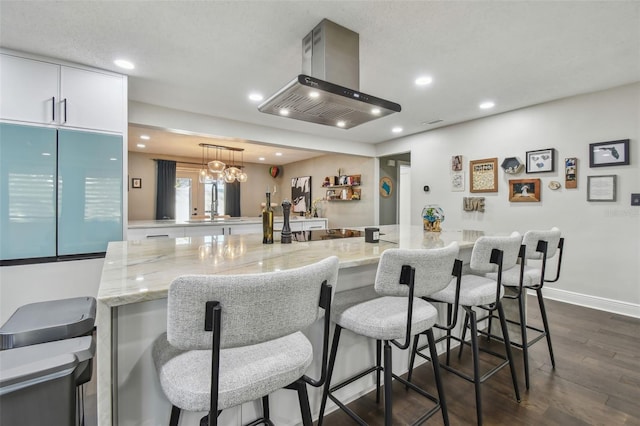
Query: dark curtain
{"x": 232, "y": 199}
{"x": 166, "y": 190}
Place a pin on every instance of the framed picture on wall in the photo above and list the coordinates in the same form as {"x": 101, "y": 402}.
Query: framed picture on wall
{"x": 483, "y": 175}
{"x": 613, "y": 153}
{"x": 136, "y": 183}
{"x": 542, "y": 160}
{"x": 524, "y": 190}
{"x": 301, "y": 194}
{"x": 601, "y": 188}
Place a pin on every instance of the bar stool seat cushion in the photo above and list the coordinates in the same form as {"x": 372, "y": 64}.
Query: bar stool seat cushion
{"x": 475, "y": 290}
{"x": 247, "y": 372}
{"x": 382, "y": 318}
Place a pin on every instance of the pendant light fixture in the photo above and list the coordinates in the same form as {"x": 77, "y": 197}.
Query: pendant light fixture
{"x": 242, "y": 176}
{"x": 216, "y": 166}
{"x": 203, "y": 174}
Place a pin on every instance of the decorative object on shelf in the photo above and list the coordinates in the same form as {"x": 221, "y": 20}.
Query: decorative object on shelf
{"x": 432, "y": 217}
{"x": 267, "y": 221}
{"x": 456, "y": 163}
{"x": 483, "y": 175}
{"x": 571, "y": 173}
{"x": 457, "y": 181}
{"x": 542, "y": 160}
{"x": 274, "y": 171}
{"x": 285, "y": 235}
{"x": 554, "y": 184}
{"x": 524, "y": 190}
{"x": 612, "y": 153}
{"x": 136, "y": 183}
{"x": 473, "y": 204}
{"x": 512, "y": 165}
{"x": 601, "y": 188}
{"x": 386, "y": 187}
{"x": 301, "y": 194}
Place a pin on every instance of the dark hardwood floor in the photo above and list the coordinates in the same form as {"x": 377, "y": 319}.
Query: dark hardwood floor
{"x": 596, "y": 380}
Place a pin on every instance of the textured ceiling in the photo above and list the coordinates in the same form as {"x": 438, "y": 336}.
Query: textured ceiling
{"x": 206, "y": 56}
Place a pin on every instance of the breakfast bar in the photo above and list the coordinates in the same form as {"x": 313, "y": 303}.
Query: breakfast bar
{"x": 132, "y": 307}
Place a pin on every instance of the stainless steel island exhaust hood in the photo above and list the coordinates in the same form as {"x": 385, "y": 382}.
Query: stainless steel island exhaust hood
{"x": 328, "y": 90}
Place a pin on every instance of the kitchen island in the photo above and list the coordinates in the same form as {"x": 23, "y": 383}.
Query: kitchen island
{"x": 132, "y": 311}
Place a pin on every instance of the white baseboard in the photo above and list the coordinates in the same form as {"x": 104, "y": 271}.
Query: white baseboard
{"x": 594, "y": 302}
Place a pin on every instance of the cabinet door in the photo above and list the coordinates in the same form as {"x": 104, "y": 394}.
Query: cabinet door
{"x": 29, "y": 90}
{"x": 27, "y": 192}
{"x": 91, "y": 100}
{"x": 89, "y": 191}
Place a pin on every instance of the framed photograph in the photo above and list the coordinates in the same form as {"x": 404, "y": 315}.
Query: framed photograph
{"x": 301, "y": 194}
{"x": 136, "y": 182}
{"x": 524, "y": 190}
{"x": 613, "y": 153}
{"x": 542, "y": 160}
{"x": 456, "y": 163}
{"x": 601, "y": 188}
{"x": 483, "y": 175}
{"x": 571, "y": 172}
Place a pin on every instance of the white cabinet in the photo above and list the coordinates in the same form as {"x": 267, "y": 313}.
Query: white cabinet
{"x": 245, "y": 228}
{"x": 201, "y": 231}
{"x": 42, "y": 92}
{"x": 310, "y": 225}
{"x": 30, "y": 90}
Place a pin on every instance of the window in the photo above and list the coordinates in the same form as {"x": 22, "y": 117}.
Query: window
{"x": 194, "y": 198}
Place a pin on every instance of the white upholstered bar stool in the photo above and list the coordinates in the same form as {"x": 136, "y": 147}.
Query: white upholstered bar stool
{"x": 540, "y": 246}
{"x": 392, "y": 314}
{"x": 237, "y": 338}
{"x": 489, "y": 254}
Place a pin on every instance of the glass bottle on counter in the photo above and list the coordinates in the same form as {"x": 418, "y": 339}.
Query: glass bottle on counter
{"x": 267, "y": 222}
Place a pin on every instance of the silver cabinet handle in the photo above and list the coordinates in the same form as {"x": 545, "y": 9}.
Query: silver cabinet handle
{"x": 64, "y": 101}
{"x": 158, "y": 236}
{"x": 316, "y": 227}
{"x": 53, "y": 108}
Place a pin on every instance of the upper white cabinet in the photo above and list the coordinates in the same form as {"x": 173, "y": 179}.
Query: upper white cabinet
{"x": 42, "y": 92}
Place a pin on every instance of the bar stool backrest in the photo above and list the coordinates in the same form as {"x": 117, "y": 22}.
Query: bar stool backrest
{"x": 481, "y": 253}
{"x": 433, "y": 270}
{"x": 255, "y": 307}
{"x": 531, "y": 238}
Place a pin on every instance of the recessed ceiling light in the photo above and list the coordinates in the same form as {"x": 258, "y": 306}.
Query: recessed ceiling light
{"x": 256, "y": 97}
{"x": 375, "y": 111}
{"x": 284, "y": 112}
{"x": 278, "y": 154}
{"x": 260, "y": 158}
{"x": 487, "y": 105}
{"x": 124, "y": 64}
{"x": 341, "y": 123}
{"x": 314, "y": 94}
{"x": 141, "y": 145}
{"x": 396, "y": 129}
{"x": 424, "y": 81}
{"x": 145, "y": 137}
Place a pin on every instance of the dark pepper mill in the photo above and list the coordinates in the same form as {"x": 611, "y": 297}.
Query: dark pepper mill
{"x": 285, "y": 236}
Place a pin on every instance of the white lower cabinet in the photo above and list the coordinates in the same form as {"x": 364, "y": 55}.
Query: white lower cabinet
{"x": 148, "y": 233}
{"x": 201, "y": 231}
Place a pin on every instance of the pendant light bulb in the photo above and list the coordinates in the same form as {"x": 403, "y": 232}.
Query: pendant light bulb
{"x": 242, "y": 177}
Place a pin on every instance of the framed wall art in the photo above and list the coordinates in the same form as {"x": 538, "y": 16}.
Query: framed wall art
{"x": 386, "y": 187}
{"x": 456, "y": 163}
{"x": 601, "y": 188}
{"x": 136, "y": 183}
{"x": 613, "y": 153}
{"x": 571, "y": 173}
{"x": 483, "y": 175}
{"x": 542, "y": 160}
{"x": 524, "y": 190}
{"x": 301, "y": 194}
{"x": 457, "y": 181}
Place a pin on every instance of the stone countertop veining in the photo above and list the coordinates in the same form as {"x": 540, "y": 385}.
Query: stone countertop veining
{"x": 138, "y": 271}
{"x": 133, "y": 224}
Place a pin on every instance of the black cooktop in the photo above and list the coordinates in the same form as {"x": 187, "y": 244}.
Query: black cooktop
{"x": 325, "y": 234}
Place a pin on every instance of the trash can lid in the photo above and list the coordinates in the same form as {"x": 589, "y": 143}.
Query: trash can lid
{"x": 37, "y": 363}
{"x": 48, "y": 321}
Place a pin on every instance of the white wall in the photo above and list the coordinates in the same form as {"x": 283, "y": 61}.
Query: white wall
{"x": 601, "y": 266}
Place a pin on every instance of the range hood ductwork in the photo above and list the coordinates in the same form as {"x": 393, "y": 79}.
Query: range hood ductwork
{"x": 330, "y": 54}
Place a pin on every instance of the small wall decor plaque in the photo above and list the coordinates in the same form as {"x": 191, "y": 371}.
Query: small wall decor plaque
{"x": 456, "y": 163}
{"x": 457, "y": 181}
{"x": 136, "y": 183}
{"x": 512, "y": 165}
{"x": 386, "y": 187}
{"x": 473, "y": 204}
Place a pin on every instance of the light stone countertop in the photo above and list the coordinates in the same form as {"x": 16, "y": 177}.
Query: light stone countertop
{"x": 138, "y": 271}
{"x": 134, "y": 224}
